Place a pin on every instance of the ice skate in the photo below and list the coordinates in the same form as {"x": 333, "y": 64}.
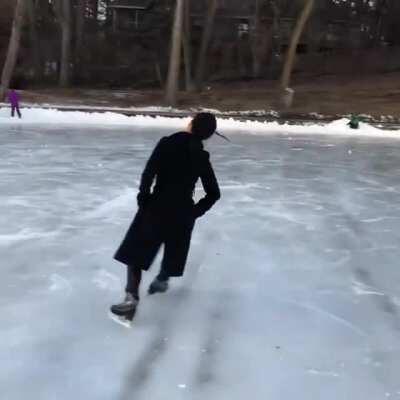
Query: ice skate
{"x": 158, "y": 286}
{"x": 124, "y": 312}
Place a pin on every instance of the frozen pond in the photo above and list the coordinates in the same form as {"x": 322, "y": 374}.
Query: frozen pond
{"x": 293, "y": 283}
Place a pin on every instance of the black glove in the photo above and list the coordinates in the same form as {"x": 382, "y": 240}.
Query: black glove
{"x": 197, "y": 212}
{"x": 143, "y": 199}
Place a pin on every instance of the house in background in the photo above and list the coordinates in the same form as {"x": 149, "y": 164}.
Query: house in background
{"x": 133, "y": 14}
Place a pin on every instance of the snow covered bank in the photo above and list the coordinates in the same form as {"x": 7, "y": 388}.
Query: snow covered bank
{"x": 50, "y": 116}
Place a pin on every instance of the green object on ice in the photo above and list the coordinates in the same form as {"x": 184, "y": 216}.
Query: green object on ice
{"x": 354, "y": 122}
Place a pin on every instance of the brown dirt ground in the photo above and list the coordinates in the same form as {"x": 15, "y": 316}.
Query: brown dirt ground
{"x": 374, "y": 95}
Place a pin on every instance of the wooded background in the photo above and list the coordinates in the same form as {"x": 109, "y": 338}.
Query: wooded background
{"x": 127, "y": 43}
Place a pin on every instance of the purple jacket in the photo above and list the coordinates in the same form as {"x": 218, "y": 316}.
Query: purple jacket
{"x": 13, "y": 98}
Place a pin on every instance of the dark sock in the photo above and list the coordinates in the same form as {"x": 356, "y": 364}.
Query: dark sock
{"x": 134, "y": 277}
{"x": 163, "y": 276}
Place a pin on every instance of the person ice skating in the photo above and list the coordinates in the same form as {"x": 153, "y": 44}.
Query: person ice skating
{"x": 167, "y": 214}
{"x": 13, "y": 98}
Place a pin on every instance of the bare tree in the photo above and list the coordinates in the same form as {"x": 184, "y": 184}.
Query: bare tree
{"x": 291, "y": 54}
{"x": 187, "y": 48}
{"x": 276, "y": 23}
{"x": 175, "y": 56}
{"x": 79, "y": 31}
{"x": 34, "y": 37}
{"x": 256, "y": 41}
{"x": 13, "y": 47}
{"x": 63, "y": 11}
{"x": 208, "y": 30}
{"x": 261, "y": 40}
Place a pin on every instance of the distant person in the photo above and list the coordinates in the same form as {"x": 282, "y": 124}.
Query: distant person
{"x": 354, "y": 122}
{"x": 167, "y": 214}
{"x": 13, "y": 98}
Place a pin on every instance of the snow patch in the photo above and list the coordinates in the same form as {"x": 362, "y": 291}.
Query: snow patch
{"x": 360, "y": 289}
{"x": 49, "y": 116}
{"x": 323, "y": 373}
{"x": 182, "y": 386}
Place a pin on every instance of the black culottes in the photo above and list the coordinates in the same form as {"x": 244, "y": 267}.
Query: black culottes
{"x": 152, "y": 227}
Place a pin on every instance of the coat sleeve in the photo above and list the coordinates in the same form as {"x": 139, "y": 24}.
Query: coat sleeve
{"x": 210, "y": 185}
{"x": 149, "y": 174}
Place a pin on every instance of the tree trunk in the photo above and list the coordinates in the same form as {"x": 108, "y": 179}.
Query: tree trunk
{"x": 242, "y": 47}
{"x": 256, "y": 42}
{"x": 276, "y": 24}
{"x": 175, "y": 56}
{"x": 64, "y": 16}
{"x": 291, "y": 54}
{"x": 187, "y": 48}
{"x": 208, "y": 29}
{"x": 95, "y": 9}
{"x": 34, "y": 38}
{"x": 380, "y": 12}
{"x": 157, "y": 68}
{"x": 261, "y": 48}
{"x": 13, "y": 47}
{"x": 79, "y": 27}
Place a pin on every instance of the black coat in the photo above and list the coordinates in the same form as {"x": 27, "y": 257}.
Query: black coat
{"x": 167, "y": 213}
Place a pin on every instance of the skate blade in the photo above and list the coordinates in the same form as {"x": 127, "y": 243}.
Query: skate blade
{"x": 123, "y": 321}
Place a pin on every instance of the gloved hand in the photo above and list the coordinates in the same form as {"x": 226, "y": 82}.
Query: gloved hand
{"x": 143, "y": 199}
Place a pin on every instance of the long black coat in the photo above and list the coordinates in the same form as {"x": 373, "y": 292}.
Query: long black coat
{"x": 167, "y": 213}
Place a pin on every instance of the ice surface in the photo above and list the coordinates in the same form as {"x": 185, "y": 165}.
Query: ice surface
{"x": 292, "y": 288}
